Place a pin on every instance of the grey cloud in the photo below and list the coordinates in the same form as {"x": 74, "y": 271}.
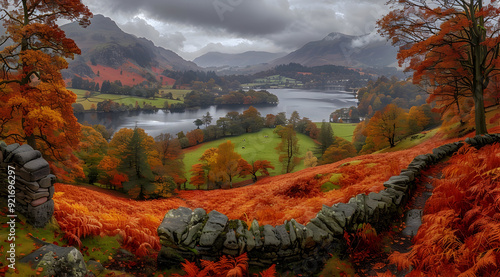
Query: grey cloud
{"x": 277, "y": 25}
{"x": 141, "y": 28}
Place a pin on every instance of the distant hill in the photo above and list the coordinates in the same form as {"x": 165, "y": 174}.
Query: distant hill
{"x": 217, "y": 59}
{"x": 345, "y": 50}
{"x": 108, "y": 53}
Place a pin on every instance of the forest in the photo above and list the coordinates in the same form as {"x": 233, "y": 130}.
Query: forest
{"x": 112, "y": 189}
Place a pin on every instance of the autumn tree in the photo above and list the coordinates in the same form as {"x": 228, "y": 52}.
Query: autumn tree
{"x": 139, "y": 161}
{"x": 310, "y": 160}
{"x": 262, "y": 167}
{"x": 206, "y": 119}
{"x": 198, "y": 174}
{"x": 194, "y": 137}
{"x": 35, "y": 106}
{"x": 387, "y": 126}
{"x": 252, "y": 120}
{"x": 288, "y": 148}
{"x": 417, "y": 120}
{"x": 92, "y": 149}
{"x": 448, "y": 40}
{"x": 325, "y": 137}
{"x": 339, "y": 150}
{"x": 171, "y": 155}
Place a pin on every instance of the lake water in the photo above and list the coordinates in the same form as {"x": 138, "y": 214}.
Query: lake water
{"x": 316, "y": 105}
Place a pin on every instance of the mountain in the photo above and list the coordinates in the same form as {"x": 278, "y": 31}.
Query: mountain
{"x": 108, "y": 53}
{"x": 217, "y": 59}
{"x": 345, "y": 50}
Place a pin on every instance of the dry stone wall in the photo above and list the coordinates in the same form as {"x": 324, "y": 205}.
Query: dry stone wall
{"x": 33, "y": 182}
{"x": 194, "y": 234}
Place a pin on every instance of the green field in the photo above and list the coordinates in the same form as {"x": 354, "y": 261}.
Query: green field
{"x": 176, "y": 93}
{"x": 122, "y": 99}
{"x": 343, "y": 130}
{"x": 252, "y": 147}
{"x": 275, "y": 80}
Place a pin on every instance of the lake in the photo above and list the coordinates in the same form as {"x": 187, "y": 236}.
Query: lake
{"x": 314, "y": 104}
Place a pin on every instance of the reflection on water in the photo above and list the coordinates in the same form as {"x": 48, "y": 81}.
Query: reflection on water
{"x": 316, "y": 105}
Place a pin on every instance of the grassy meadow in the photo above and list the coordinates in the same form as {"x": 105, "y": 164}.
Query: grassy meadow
{"x": 124, "y": 99}
{"x": 251, "y": 147}
{"x": 343, "y": 130}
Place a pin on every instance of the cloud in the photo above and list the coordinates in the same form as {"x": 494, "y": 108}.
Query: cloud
{"x": 141, "y": 28}
{"x": 277, "y": 25}
{"x": 366, "y": 39}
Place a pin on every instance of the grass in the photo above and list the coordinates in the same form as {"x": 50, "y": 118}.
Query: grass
{"x": 121, "y": 99}
{"x": 176, "y": 93}
{"x": 252, "y": 147}
{"x": 343, "y": 130}
{"x": 411, "y": 141}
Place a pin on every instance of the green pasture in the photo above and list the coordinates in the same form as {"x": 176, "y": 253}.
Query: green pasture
{"x": 343, "y": 130}
{"x": 176, "y": 93}
{"x": 121, "y": 99}
{"x": 252, "y": 147}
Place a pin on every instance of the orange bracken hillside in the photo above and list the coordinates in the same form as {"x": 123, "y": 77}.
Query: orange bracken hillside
{"x": 82, "y": 212}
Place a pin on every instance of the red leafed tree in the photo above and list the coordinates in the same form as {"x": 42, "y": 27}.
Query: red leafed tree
{"x": 195, "y": 137}
{"x": 35, "y": 106}
{"x": 262, "y": 167}
{"x": 198, "y": 175}
{"x": 448, "y": 41}
{"x": 387, "y": 126}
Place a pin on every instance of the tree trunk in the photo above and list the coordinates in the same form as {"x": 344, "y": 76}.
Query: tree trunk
{"x": 480, "y": 117}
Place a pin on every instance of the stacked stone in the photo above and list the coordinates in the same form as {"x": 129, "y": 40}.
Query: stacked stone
{"x": 34, "y": 183}
{"x": 194, "y": 235}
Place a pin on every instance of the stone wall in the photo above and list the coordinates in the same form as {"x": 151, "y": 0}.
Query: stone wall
{"x": 194, "y": 234}
{"x": 34, "y": 183}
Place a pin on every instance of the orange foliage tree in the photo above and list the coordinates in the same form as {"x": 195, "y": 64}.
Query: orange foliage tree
{"x": 195, "y": 137}
{"x": 339, "y": 150}
{"x": 261, "y": 166}
{"x": 288, "y": 148}
{"x": 387, "y": 126}
{"x": 35, "y": 107}
{"x": 448, "y": 41}
{"x": 222, "y": 164}
{"x": 171, "y": 156}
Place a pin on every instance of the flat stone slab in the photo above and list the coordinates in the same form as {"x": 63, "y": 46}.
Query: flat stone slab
{"x": 24, "y": 157}
{"x": 47, "y": 181}
{"x": 40, "y": 215}
{"x": 413, "y": 222}
{"x": 16, "y": 150}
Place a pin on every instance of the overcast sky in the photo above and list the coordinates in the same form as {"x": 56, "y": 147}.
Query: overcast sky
{"x": 194, "y": 27}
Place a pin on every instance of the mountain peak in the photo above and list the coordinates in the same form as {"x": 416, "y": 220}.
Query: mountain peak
{"x": 335, "y": 36}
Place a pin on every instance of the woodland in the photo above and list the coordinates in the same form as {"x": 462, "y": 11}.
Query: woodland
{"x": 114, "y": 187}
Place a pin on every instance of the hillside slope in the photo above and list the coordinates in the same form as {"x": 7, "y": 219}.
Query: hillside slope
{"x": 216, "y": 59}
{"x": 344, "y": 50}
{"x": 105, "y": 47}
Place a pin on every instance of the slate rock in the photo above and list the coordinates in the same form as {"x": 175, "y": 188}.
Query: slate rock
{"x": 413, "y": 222}
{"x": 284, "y": 236}
{"x": 213, "y": 228}
{"x": 250, "y": 240}
{"x": 40, "y": 215}
{"x": 95, "y": 267}
{"x": 198, "y": 216}
{"x": 319, "y": 235}
{"x": 332, "y": 224}
{"x": 193, "y": 232}
{"x": 36, "y": 165}
{"x": 57, "y": 261}
{"x": 231, "y": 242}
{"x": 3, "y": 147}
{"x": 174, "y": 224}
{"x": 51, "y": 192}
{"x": 292, "y": 234}
{"x": 34, "y": 186}
{"x": 24, "y": 157}
{"x": 39, "y": 201}
{"x": 255, "y": 229}
{"x": 16, "y": 150}
{"x": 271, "y": 241}
{"x": 9, "y": 149}
{"x": 47, "y": 181}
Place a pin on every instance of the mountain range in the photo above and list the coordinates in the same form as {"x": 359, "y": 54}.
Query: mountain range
{"x": 108, "y": 53}
{"x": 344, "y": 50}
{"x": 217, "y": 59}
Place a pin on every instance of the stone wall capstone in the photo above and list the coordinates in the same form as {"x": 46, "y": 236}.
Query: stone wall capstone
{"x": 34, "y": 183}
{"x": 194, "y": 234}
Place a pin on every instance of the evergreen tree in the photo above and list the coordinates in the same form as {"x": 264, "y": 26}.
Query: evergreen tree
{"x": 325, "y": 138}
{"x": 135, "y": 164}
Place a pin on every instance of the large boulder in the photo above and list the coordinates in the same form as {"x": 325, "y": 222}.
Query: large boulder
{"x": 57, "y": 261}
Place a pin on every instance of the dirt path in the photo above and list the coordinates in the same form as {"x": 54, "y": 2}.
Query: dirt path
{"x": 395, "y": 240}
